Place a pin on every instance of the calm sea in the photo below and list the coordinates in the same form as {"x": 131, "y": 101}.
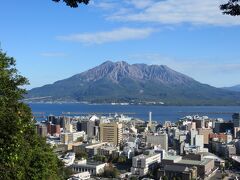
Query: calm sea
{"x": 159, "y": 113}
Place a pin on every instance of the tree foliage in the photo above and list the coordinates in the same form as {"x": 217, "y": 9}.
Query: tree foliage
{"x": 100, "y": 158}
{"x": 81, "y": 154}
{"x": 23, "y": 154}
{"x": 231, "y": 8}
{"x": 73, "y": 3}
{"x": 110, "y": 172}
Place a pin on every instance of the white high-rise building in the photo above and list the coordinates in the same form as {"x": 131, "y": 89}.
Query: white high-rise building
{"x": 199, "y": 141}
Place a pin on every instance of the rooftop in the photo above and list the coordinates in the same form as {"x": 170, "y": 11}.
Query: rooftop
{"x": 175, "y": 168}
{"x": 194, "y": 162}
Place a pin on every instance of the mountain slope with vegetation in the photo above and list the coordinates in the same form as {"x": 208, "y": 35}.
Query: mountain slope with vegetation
{"x": 122, "y": 82}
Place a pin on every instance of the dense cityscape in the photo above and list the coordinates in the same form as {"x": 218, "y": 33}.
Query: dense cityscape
{"x": 118, "y": 146}
{"x": 120, "y": 90}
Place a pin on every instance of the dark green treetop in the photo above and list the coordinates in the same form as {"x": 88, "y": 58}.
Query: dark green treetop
{"x": 73, "y": 3}
{"x": 232, "y": 8}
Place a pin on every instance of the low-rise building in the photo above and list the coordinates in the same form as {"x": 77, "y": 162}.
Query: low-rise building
{"x": 107, "y": 150}
{"x": 182, "y": 172}
{"x": 66, "y": 138}
{"x": 80, "y": 176}
{"x": 94, "y": 168}
{"x": 204, "y": 166}
{"x": 142, "y": 163}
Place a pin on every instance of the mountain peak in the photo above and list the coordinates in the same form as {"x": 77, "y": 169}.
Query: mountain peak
{"x": 121, "y": 81}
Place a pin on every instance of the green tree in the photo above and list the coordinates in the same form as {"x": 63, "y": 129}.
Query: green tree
{"x": 133, "y": 178}
{"x": 165, "y": 178}
{"x": 73, "y": 3}
{"x": 122, "y": 159}
{"x": 100, "y": 158}
{"x": 23, "y": 154}
{"x": 110, "y": 172}
{"x": 80, "y": 139}
{"x": 81, "y": 154}
{"x": 232, "y": 8}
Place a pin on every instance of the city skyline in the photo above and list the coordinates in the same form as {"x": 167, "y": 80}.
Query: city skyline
{"x": 52, "y": 41}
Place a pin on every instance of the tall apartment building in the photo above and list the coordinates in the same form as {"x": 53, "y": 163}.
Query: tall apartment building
{"x": 88, "y": 127}
{"x": 205, "y": 132}
{"x": 41, "y": 130}
{"x": 111, "y": 132}
{"x": 236, "y": 119}
{"x": 193, "y": 133}
{"x": 53, "y": 129}
{"x": 199, "y": 141}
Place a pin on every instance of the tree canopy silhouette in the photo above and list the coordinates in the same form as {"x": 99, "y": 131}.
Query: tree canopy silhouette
{"x": 23, "y": 154}
{"x": 73, "y": 3}
{"x": 231, "y": 8}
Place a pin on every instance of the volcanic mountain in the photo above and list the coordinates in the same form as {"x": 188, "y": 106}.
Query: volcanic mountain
{"x": 136, "y": 83}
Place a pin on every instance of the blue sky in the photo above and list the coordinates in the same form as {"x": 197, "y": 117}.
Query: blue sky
{"x": 52, "y": 41}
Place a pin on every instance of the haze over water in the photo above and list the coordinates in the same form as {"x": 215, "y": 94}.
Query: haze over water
{"x": 159, "y": 113}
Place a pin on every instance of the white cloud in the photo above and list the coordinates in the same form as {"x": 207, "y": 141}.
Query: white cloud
{"x": 196, "y": 12}
{"x": 139, "y": 4}
{"x": 53, "y": 54}
{"x": 120, "y": 34}
{"x": 106, "y": 5}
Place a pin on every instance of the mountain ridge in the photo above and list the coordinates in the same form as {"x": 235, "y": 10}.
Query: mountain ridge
{"x": 122, "y": 82}
{"x": 235, "y": 88}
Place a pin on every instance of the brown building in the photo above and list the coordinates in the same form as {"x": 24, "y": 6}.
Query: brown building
{"x": 222, "y": 137}
{"x": 41, "y": 130}
{"x": 205, "y": 132}
{"x": 180, "y": 172}
{"x": 204, "y": 166}
{"x": 111, "y": 133}
{"x": 53, "y": 129}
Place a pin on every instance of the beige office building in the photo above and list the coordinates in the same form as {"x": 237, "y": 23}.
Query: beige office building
{"x": 111, "y": 133}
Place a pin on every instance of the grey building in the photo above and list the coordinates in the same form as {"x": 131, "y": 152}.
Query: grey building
{"x": 88, "y": 127}
{"x": 236, "y": 119}
{"x": 160, "y": 139}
